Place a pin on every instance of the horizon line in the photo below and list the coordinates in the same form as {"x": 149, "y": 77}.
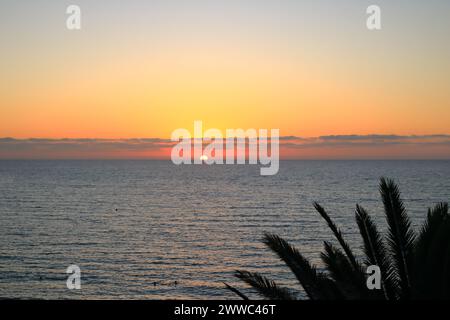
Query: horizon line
{"x": 327, "y": 147}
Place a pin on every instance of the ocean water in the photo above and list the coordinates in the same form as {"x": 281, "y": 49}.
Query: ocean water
{"x": 152, "y": 230}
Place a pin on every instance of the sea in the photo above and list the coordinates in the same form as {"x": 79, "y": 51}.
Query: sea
{"x": 141, "y": 229}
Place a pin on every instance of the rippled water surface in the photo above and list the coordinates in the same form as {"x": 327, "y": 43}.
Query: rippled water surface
{"x": 151, "y": 230}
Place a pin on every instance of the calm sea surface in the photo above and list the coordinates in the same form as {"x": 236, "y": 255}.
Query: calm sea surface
{"x": 152, "y": 230}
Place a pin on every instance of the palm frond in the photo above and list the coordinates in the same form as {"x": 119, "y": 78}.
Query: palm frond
{"x": 400, "y": 236}
{"x": 411, "y": 267}
{"x": 337, "y": 234}
{"x": 432, "y": 256}
{"x": 437, "y": 263}
{"x": 375, "y": 251}
{"x": 316, "y": 284}
{"x": 350, "y": 281}
{"x": 445, "y": 275}
{"x": 266, "y": 287}
{"x": 434, "y": 220}
{"x": 236, "y": 291}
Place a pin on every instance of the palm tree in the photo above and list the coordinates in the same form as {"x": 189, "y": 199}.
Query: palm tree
{"x": 412, "y": 266}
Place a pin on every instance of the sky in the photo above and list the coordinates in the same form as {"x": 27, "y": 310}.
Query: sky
{"x": 138, "y": 70}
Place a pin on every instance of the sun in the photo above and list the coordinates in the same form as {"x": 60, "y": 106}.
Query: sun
{"x": 204, "y": 158}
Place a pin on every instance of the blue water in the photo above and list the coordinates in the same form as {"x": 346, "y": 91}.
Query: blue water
{"x": 152, "y": 230}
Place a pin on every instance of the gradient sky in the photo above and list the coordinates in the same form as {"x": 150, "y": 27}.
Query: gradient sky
{"x": 141, "y": 69}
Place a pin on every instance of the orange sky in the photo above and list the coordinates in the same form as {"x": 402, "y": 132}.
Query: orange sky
{"x": 231, "y": 66}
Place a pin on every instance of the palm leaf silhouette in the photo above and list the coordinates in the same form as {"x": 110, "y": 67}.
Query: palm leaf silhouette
{"x": 316, "y": 284}
{"x": 236, "y": 291}
{"x": 411, "y": 266}
{"x": 264, "y": 286}
{"x": 431, "y": 255}
{"x": 338, "y": 234}
{"x": 351, "y": 283}
{"x": 400, "y": 237}
{"x": 375, "y": 250}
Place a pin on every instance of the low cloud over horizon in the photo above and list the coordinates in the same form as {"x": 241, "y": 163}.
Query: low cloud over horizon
{"x": 372, "y": 146}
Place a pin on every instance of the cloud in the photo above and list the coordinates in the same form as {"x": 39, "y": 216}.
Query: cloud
{"x": 368, "y": 147}
{"x": 81, "y": 148}
{"x": 368, "y": 140}
{"x": 331, "y": 146}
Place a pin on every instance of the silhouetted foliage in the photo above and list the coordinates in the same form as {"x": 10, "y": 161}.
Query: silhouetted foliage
{"x": 413, "y": 266}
